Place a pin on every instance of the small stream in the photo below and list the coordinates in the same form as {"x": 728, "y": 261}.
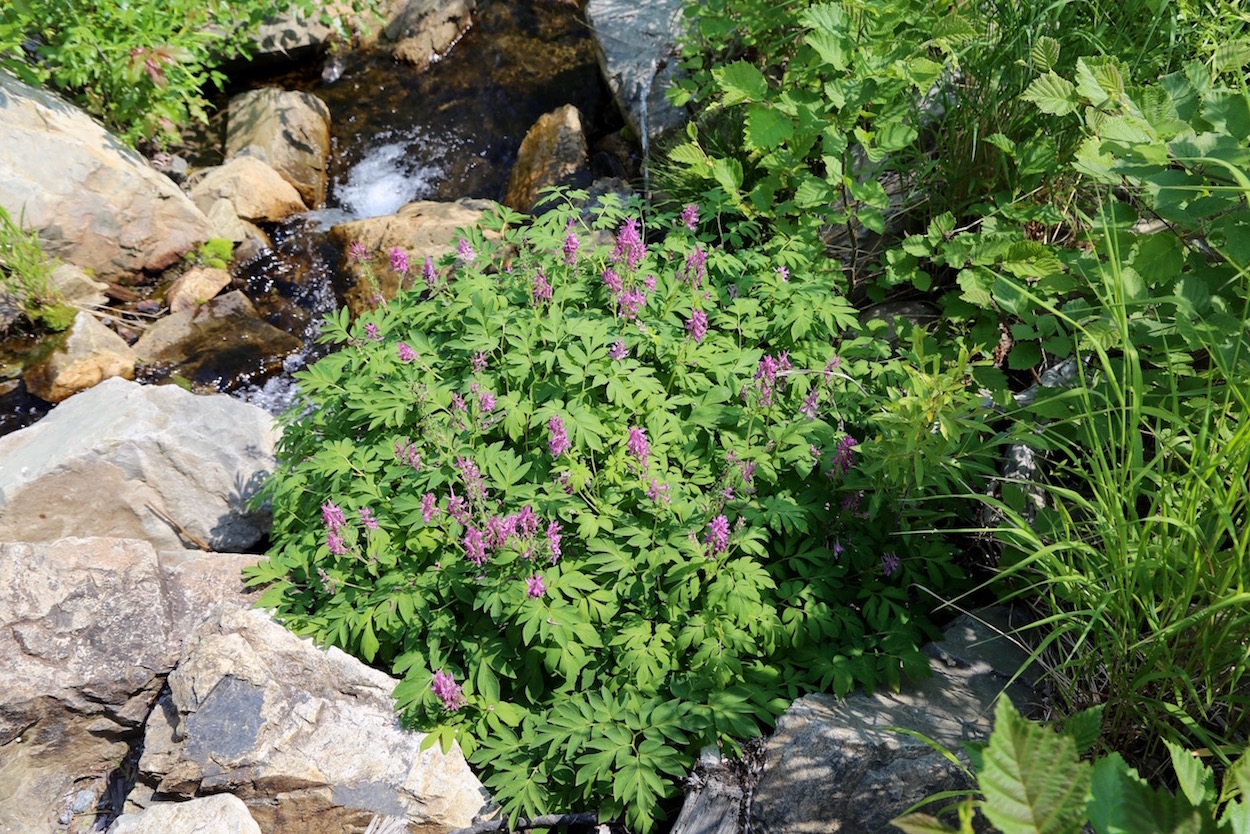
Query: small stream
{"x": 398, "y": 135}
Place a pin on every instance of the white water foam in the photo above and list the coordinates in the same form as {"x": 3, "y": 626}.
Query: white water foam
{"x": 396, "y": 169}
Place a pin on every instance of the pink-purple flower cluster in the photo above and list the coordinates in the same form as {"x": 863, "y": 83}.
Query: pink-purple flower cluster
{"x": 471, "y": 477}
{"x": 618, "y": 351}
{"x": 890, "y": 563}
{"x": 637, "y": 446}
{"x": 696, "y": 327}
{"x": 717, "y": 538}
{"x": 334, "y": 520}
{"x": 367, "y": 518}
{"x": 447, "y": 690}
{"x": 405, "y": 352}
{"x": 519, "y": 529}
{"x": 658, "y": 492}
{"x": 357, "y": 252}
{"x": 558, "y": 443}
{"x": 429, "y": 507}
{"x": 399, "y": 261}
{"x": 844, "y": 455}
{"x": 808, "y": 408}
{"x": 534, "y": 587}
{"x": 465, "y": 252}
{"x": 428, "y": 273}
{"x": 629, "y": 245}
{"x": 407, "y": 452}
{"x": 371, "y": 332}
{"x": 768, "y": 377}
{"x": 695, "y": 268}
{"x": 479, "y": 362}
{"x": 571, "y": 245}
{"x": 690, "y": 216}
{"x": 541, "y": 292}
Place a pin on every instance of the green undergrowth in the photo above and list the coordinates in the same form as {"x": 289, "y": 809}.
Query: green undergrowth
{"x": 600, "y": 506}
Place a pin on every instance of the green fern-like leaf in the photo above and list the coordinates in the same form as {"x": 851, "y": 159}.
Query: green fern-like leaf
{"x": 1033, "y": 782}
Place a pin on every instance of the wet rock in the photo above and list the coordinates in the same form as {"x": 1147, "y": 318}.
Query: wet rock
{"x": 219, "y": 813}
{"x": 834, "y": 765}
{"x": 77, "y": 288}
{"x": 422, "y": 30}
{"x": 219, "y": 345}
{"x": 85, "y": 355}
{"x": 138, "y": 461}
{"x": 196, "y": 286}
{"x": 637, "y": 51}
{"x": 299, "y": 30}
{"x": 306, "y": 737}
{"x": 227, "y": 225}
{"x": 553, "y": 152}
{"x": 255, "y": 190}
{"x": 288, "y": 130}
{"x": 94, "y": 202}
{"x": 88, "y": 630}
{"x": 421, "y": 229}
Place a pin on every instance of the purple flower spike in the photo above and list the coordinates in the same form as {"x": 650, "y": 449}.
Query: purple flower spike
{"x": 357, "y": 252}
{"x": 717, "y": 538}
{"x": 427, "y": 272}
{"x": 571, "y": 245}
{"x": 447, "y": 690}
{"x": 890, "y": 563}
{"x": 479, "y": 362}
{"x": 465, "y": 252}
{"x": 541, "y": 292}
{"x": 690, "y": 216}
{"x": 637, "y": 445}
{"x": 696, "y": 328}
{"x": 332, "y": 517}
{"x": 399, "y": 261}
{"x": 618, "y": 351}
{"x": 558, "y": 444}
{"x": 534, "y": 587}
{"x": 367, "y": 518}
{"x": 406, "y": 353}
{"x": 844, "y": 455}
{"x": 335, "y": 544}
{"x": 429, "y": 507}
{"x": 553, "y": 540}
{"x": 475, "y": 546}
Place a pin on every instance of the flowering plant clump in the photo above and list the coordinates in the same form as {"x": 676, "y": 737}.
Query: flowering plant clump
{"x": 601, "y": 506}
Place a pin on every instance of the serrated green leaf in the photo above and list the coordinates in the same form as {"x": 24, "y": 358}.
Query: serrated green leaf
{"x": 728, "y": 172}
{"x": 1044, "y": 55}
{"x": 1085, "y": 728}
{"x": 917, "y": 823}
{"x": 1032, "y": 780}
{"x": 1053, "y": 94}
{"x": 834, "y": 49}
{"x": 767, "y": 128}
{"x": 953, "y": 28}
{"x": 1196, "y": 779}
{"x": 740, "y": 82}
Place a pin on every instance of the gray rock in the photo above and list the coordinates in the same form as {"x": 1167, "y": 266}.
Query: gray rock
{"x": 636, "y": 46}
{"x": 83, "y": 356}
{"x": 94, "y": 202}
{"x": 553, "y": 152}
{"x": 218, "y": 814}
{"x": 88, "y": 630}
{"x": 122, "y": 458}
{"x": 288, "y": 130}
{"x": 306, "y": 737}
{"x": 218, "y": 344}
{"x": 837, "y": 765}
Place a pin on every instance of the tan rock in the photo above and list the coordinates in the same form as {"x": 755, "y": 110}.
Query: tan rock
{"x": 553, "y": 152}
{"x": 196, "y": 286}
{"x": 227, "y": 225}
{"x": 255, "y": 190}
{"x": 94, "y": 202}
{"x": 218, "y": 813}
{"x": 288, "y": 130}
{"x": 422, "y": 30}
{"x": 78, "y": 288}
{"x": 422, "y": 229}
{"x": 88, "y": 354}
{"x": 89, "y": 628}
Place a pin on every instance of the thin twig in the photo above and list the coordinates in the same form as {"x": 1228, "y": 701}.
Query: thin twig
{"x": 545, "y": 821}
{"x": 182, "y": 531}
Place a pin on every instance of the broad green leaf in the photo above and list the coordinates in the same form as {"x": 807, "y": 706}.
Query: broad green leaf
{"x": 728, "y": 172}
{"x": 1085, "y": 728}
{"x": 1053, "y": 94}
{"x": 1196, "y": 779}
{"x": 954, "y": 28}
{"x": 1032, "y": 780}
{"x": 835, "y": 49}
{"x": 918, "y": 823}
{"x": 766, "y": 127}
{"x": 1044, "y": 56}
{"x": 741, "y": 82}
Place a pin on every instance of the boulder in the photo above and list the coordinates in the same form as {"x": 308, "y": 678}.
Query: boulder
{"x": 256, "y": 191}
{"x": 78, "y": 288}
{"x": 553, "y": 152}
{"x": 422, "y": 30}
{"x": 288, "y": 130}
{"x": 838, "y": 765}
{"x": 218, "y": 814}
{"x": 196, "y": 286}
{"x": 94, "y": 202}
{"x": 227, "y": 225}
{"x": 217, "y": 345}
{"x": 83, "y": 356}
{"x": 636, "y": 44}
{"x": 139, "y": 461}
{"x": 422, "y": 229}
{"x": 307, "y": 737}
{"x": 89, "y": 628}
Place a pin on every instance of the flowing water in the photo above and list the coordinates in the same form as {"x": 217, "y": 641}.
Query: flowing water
{"x": 398, "y": 135}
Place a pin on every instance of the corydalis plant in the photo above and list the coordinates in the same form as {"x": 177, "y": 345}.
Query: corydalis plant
{"x": 605, "y": 526}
